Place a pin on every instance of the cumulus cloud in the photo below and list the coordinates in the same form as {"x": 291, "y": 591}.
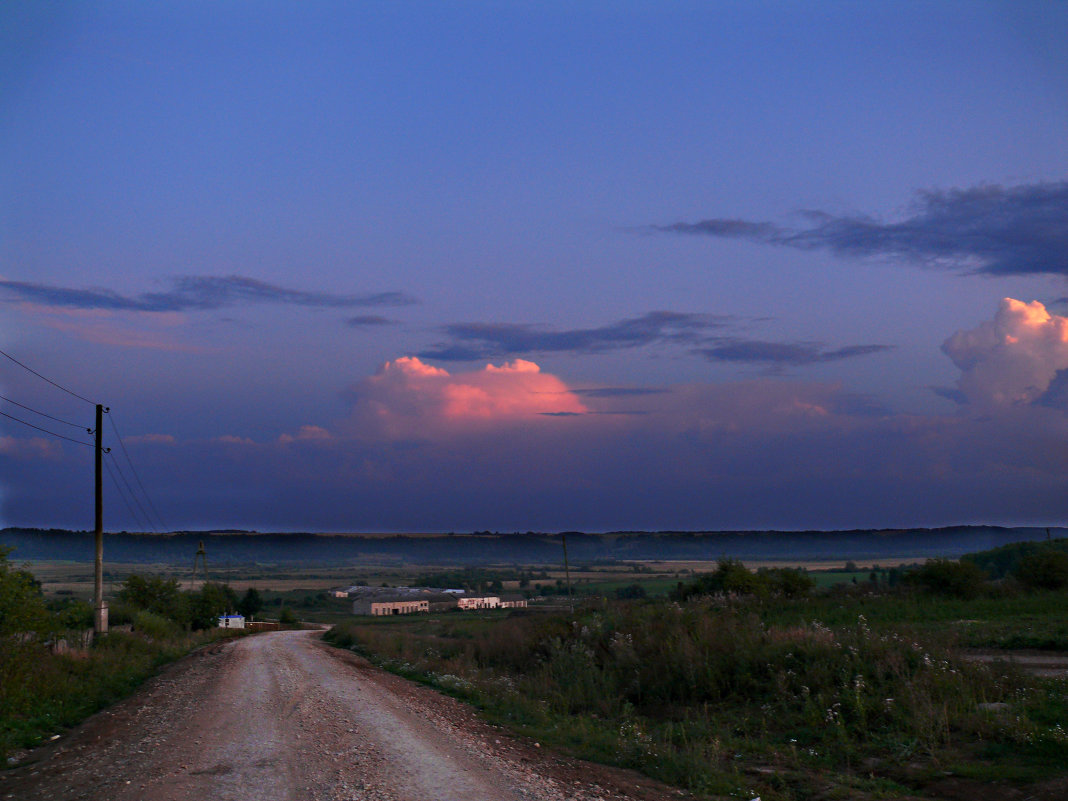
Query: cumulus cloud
{"x": 194, "y": 293}
{"x": 473, "y": 341}
{"x": 1013, "y": 359}
{"x": 988, "y": 229}
{"x": 411, "y": 398}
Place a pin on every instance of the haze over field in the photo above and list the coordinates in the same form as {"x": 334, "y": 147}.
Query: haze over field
{"x": 407, "y": 266}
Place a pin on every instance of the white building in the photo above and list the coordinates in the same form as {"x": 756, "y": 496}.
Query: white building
{"x": 481, "y": 602}
{"x": 231, "y": 621}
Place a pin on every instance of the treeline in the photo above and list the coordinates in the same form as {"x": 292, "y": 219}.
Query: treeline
{"x": 156, "y": 604}
{"x": 1026, "y": 567}
{"x": 514, "y": 548}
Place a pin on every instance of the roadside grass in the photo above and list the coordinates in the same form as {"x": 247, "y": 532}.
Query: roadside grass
{"x": 42, "y": 693}
{"x": 774, "y": 698}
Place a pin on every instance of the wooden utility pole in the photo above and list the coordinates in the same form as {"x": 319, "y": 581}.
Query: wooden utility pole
{"x": 567, "y": 573}
{"x": 100, "y": 609}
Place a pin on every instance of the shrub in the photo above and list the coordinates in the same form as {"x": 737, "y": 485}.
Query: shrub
{"x": 1044, "y": 570}
{"x": 963, "y": 579}
{"x": 154, "y": 626}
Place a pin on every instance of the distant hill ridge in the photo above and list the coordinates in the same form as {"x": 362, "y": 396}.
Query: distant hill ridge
{"x": 238, "y": 547}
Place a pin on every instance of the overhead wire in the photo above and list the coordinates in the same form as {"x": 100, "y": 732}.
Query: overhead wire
{"x": 137, "y": 478}
{"x": 118, "y": 489}
{"x": 45, "y": 430}
{"x": 133, "y": 495}
{"x": 118, "y": 468}
{"x": 47, "y": 380}
{"x": 42, "y": 414}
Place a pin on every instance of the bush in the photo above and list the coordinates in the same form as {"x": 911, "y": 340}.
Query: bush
{"x": 1044, "y": 570}
{"x": 963, "y": 579}
{"x": 154, "y": 626}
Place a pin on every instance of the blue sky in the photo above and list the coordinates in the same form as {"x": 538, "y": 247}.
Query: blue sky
{"x": 230, "y": 221}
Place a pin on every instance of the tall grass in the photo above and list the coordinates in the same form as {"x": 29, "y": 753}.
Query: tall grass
{"x": 697, "y": 693}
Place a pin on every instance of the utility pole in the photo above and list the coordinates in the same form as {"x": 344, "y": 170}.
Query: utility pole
{"x": 567, "y": 573}
{"x": 100, "y": 609}
{"x": 201, "y": 557}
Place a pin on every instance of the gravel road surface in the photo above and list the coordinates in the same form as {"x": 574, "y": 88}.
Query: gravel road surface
{"x": 282, "y": 716}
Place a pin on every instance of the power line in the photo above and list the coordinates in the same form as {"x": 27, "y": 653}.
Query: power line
{"x": 133, "y": 495}
{"x": 118, "y": 488}
{"x": 48, "y": 380}
{"x": 42, "y": 414}
{"x": 45, "y": 430}
{"x": 148, "y": 498}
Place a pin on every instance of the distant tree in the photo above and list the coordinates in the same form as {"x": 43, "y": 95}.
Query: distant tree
{"x": 251, "y": 603}
{"x": 962, "y": 579}
{"x": 788, "y": 581}
{"x": 154, "y": 593}
{"x": 286, "y": 617}
{"x": 207, "y": 604}
{"x": 22, "y": 607}
{"x": 630, "y": 592}
{"x": 1043, "y": 570}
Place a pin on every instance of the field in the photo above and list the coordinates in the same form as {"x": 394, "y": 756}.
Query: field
{"x": 861, "y": 681}
{"x": 841, "y": 696}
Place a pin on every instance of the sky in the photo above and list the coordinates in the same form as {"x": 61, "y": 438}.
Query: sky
{"x": 421, "y": 266}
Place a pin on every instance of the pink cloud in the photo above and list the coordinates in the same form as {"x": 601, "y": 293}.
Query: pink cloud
{"x": 31, "y": 448}
{"x": 150, "y": 439}
{"x": 124, "y": 329}
{"x": 306, "y": 434}
{"x": 407, "y": 397}
{"x": 1011, "y": 359}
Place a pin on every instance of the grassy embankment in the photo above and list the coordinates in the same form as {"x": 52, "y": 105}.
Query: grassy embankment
{"x": 858, "y": 694}
{"x": 42, "y": 693}
{"x": 49, "y": 682}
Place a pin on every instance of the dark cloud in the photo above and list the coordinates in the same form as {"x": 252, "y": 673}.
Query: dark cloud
{"x": 486, "y": 340}
{"x": 618, "y": 392}
{"x": 783, "y": 353}
{"x": 987, "y": 229}
{"x": 369, "y": 321}
{"x": 195, "y": 293}
{"x": 726, "y": 228}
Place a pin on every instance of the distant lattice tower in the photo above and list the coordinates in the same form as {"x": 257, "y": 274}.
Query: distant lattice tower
{"x": 202, "y": 559}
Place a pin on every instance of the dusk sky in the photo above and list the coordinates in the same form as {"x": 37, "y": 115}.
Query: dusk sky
{"x": 419, "y": 266}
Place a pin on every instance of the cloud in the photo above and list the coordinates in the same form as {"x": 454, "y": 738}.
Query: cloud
{"x": 783, "y": 353}
{"x": 619, "y": 392}
{"x": 195, "y": 293}
{"x": 307, "y": 433}
{"x": 150, "y": 439}
{"x": 986, "y": 229}
{"x": 1011, "y": 360}
{"x": 150, "y": 330}
{"x": 408, "y": 397}
{"x": 472, "y": 341}
{"x": 30, "y": 448}
{"x": 369, "y": 321}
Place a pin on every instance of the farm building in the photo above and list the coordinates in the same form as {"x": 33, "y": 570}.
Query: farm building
{"x": 479, "y": 602}
{"x": 391, "y": 607}
{"x": 400, "y": 600}
{"x": 231, "y": 621}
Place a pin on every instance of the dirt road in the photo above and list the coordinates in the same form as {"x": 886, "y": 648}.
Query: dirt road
{"x": 281, "y": 717}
